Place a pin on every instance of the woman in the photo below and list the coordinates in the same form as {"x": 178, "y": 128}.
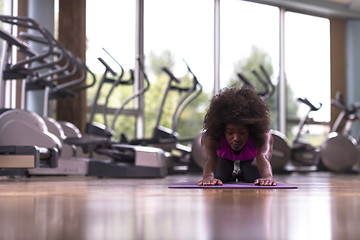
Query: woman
{"x": 236, "y": 127}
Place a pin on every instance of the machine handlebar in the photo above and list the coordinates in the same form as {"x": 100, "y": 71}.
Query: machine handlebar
{"x": 168, "y": 72}
{"x": 308, "y": 103}
{"x": 107, "y": 66}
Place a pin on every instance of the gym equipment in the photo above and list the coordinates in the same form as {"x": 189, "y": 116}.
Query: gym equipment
{"x": 161, "y": 134}
{"x": 118, "y": 159}
{"x": 13, "y": 157}
{"x": 234, "y": 185}
{"x": 101, "y": 133}
{"x": 43, "y": 73}
{"x": 300, "y": 155}
{"x": 196, "y": 151}
{"x": 38, "y": 148}
{"x": 339, "y": 152}
{"x": 115, "y": 160}
{"x": 41, "y": 70}
{"x": 122, "y": 82}
{"x": 114, "y": 79}
{"x": 303, "y": 153}
{"x": 122, "y": 161}
{"x": 168, "y": 139}
{"x": 281, "y": 150}
{"x": 267, "y": 85}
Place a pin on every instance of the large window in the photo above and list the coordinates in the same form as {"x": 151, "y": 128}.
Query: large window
{"x": 177, "y": 30}
{"x": 249, "y": 39}
{"x": 173, "y": 33}
{"x": 307, "y": 67}
{"x": 245, "y": 26}
{"x": 110, "y": 25}
{"x": 110, "y": 30}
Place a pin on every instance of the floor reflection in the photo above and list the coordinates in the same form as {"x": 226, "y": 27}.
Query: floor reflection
{"x": 233, "y": 214}
{"x": 144, "y": 213}
{"x": 323, "y": 207}
{"x": 42, "y": 217}
{"x": 307, "y": 217}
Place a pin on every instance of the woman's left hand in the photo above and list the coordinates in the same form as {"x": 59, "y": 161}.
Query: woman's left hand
{"x": 269, "y": 181}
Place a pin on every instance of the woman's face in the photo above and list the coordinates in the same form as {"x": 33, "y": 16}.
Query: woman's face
{"x": 236, "y": 135}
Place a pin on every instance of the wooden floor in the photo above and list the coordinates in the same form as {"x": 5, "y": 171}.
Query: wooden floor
{"x": 325, "y": 206}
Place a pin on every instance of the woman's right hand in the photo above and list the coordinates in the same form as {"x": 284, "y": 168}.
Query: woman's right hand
{"x": 210, "y": 181}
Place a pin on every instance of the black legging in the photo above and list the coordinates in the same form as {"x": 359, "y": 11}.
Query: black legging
{"x": 225, "y": 168}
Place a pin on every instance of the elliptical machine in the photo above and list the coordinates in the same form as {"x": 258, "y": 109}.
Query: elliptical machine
{"x": 125, "y": 161}
{"x": 168, "y": 139}
{"x": 118, "y": 159}
{"x": 41, "y": 70}
{"x": 38, "y": 148}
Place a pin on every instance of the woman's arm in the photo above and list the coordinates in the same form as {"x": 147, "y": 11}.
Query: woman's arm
{"x": 208, "y": 153}
{"x": 263, "y": 162}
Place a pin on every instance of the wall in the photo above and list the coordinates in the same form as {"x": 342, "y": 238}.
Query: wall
{"x": 353, "y": 65}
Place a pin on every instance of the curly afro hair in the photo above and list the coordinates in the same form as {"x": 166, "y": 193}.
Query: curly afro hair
{"x": 237, "y": 106}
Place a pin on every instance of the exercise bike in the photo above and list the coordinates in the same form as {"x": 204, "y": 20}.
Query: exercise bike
{"x": 281, "y": 147}
{"x": 287, "y": 157}
{"x": 300, "y": 155}
{"x": 339, "y": 152}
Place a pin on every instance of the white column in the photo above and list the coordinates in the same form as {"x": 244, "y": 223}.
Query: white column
{"x": 282, "y": 81}
{"x": 216, "y": 46}
{"x": 139, "y": 77}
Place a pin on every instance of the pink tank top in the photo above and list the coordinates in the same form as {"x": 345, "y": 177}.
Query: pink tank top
{"x": 248, "y": 152}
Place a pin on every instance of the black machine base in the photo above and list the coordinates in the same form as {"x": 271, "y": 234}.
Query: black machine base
{"x": 122, "y": 170}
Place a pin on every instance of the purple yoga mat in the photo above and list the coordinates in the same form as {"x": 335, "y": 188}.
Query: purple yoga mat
{"x": 235, "y": 185}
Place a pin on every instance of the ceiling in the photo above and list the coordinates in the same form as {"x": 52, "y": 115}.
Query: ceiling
{"x": 325, "y": 8}
{"x": 351, "y": 4}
